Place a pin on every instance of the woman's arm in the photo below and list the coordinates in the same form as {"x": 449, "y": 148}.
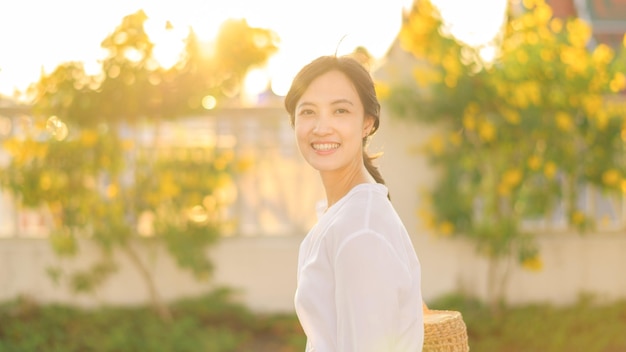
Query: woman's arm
{"x": 368, "y": 277}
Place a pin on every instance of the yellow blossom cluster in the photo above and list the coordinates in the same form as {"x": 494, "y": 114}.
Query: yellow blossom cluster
{"x": 510, "y": 179}
{"x": 542, "y": 114}
{"x": 533, "y": 263}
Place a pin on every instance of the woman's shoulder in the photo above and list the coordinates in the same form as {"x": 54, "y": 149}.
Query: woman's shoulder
{"x": 368, "y": 193}
{"x": 364, "y": 203}
{"x": 362, "y": 198}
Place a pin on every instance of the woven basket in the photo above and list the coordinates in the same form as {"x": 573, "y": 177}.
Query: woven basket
{"x": 444, "y": 331}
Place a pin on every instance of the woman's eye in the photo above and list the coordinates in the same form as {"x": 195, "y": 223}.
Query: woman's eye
{"x": 306, "y": 112}
{"x": 341, "y": 111}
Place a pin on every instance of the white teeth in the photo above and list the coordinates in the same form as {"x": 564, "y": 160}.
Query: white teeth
{"x": 325, "y": 146}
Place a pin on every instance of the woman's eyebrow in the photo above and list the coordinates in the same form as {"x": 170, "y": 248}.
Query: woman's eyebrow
{"x": 304, "y": 103}
{"x": 334, "y": 102}
{"x": 341, "y": 101}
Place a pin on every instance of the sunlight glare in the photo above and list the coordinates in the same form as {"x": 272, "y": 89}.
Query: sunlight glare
{"x": 209, "y": 102}
{"x": 473, "y": 22}
{"x": 57, "y": 128}
{"x": 488, "y": 53}
{"x": 256, "y": 82}
{"x": 306, "y": 30}
{"x": 168, "y": 39}
{"x": 281, "y": 72}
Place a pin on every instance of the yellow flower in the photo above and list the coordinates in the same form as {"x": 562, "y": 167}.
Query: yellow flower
{"x": 543, "y": 13}
{"x": 456, "y": 139}
{"x": 512, "y": 116}
{"x": 564, "y": 121}
{"x": 546, "y": 55}
{"x": 105, "y": 161}
{"x": 602, "y": 54}
{"x": 503, "y": 189}
{"x": 546, "y": 35}
{"x": 45, "y": 181}
{"x": 112, "y": 191}
{"x": 426, "y": 75}
{"x": 446, "y": 228}
{"x": 602, "y": 119}
{"x": 472, "y": 108}
{"x": 88, "y": 138}
{"x": 451, "y": 64}
{"x": 533, "y": 263}
{"x": 487, "y": 131}
{"x": 578, "y": 217}
{"x": 623, "y": 186}
{"x": 436, "y": 144}
{"x": 534, "y": 92}
{"x": 529, "y": 21}
{"x": 128, "y": 144}
{"x": 618, "y": 83}
{"x": 451, "y": 80}
{"x": 521, "y": 57}
{"x": 244, "y": 163}
{"x": 549, "y": 170}
{"x": 579, "y": 32}
{"x": 534, "y": 162}
{"x": 382, "y": 90}
{"x": 591, "y": 104}
{"x": 512, "y": 177}
{"x": 611, "y": 177}
{"x": 574, "y": 58}
{"x": 520, "y": 99}
{"x": 556, "y": 25}
{"x": 427, "y": 218}
{"x": 11, "y": 145}
{"x": 469, "y": 122}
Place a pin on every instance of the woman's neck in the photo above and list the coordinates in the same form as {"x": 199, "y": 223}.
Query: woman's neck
{"x": 337, "y": 185}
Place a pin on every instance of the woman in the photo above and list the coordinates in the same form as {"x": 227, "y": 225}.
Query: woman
{"x": 358, "y": 274}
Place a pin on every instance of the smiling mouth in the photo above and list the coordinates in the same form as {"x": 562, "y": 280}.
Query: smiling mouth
{"x": 325, "y": 146}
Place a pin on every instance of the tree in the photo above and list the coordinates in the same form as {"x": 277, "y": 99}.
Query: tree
{"x": 520, "y": 134}
{"x": 83, "y": 158}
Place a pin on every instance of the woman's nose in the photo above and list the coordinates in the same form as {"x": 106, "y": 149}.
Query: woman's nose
{"x": 322, "y": 125}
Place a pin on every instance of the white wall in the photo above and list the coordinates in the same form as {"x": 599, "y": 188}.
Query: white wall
{"x": 263, "y": 269}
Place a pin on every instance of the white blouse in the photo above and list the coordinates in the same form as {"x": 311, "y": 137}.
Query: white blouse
{"x": 359, "y": 278}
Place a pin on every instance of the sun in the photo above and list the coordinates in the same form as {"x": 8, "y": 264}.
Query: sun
{"x": 168, "y": 28}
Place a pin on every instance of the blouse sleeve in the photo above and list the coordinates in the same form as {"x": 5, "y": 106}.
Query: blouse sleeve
{"x": 368, "y": 278}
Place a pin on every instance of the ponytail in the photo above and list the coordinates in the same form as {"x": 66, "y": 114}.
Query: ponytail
{"x": 368, "y": 161}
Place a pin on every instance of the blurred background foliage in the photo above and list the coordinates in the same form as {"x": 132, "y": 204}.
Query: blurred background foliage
{"x": 520, "y": 130}
{"x": 84, "y": 156}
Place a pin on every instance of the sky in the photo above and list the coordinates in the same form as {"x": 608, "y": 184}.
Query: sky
{"x": 38, "y": 35}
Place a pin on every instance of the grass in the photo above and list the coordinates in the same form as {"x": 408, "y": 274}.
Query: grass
{"x": 585, "y": 326}
{"x": 216, "y": 323}
{"x": 209, "y": 323}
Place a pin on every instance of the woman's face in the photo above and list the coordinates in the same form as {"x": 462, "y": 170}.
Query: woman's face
{"x": 330, "y": 124}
